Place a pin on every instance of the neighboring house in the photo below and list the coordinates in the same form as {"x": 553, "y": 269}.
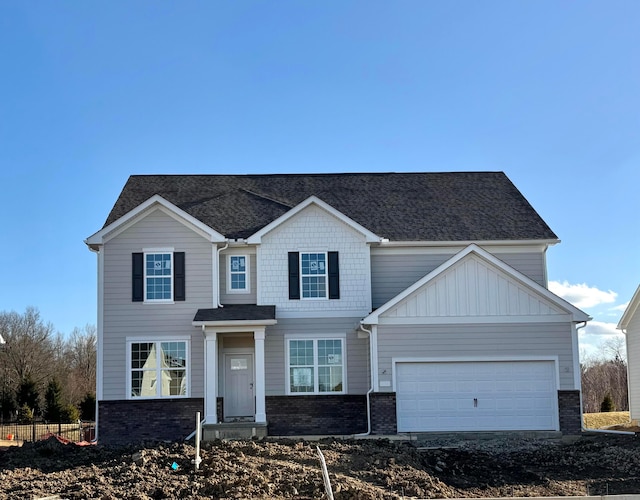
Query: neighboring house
{"x": 330, "y": 304}
{"x": 630, "y": 326}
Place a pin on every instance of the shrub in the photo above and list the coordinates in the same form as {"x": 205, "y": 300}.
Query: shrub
{"x": 25, "y": 414}
{"x": 607, "y": 404}
{"x": 70, "y": 414}
{"x": 88, "y": 407}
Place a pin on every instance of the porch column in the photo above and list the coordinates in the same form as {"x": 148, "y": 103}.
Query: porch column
{"x": 211, "y": 377}
{"x": 258, "y": 337}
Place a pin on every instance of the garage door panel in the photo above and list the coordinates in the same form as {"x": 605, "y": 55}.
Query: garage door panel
{"x": 461, "y": 396}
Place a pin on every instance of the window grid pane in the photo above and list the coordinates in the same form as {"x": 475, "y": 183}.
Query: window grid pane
{"x": 153, "y": 361}
{"x": 238, "y": 272}
{"x": 313, "y": 271}
{"x": 308, "y": 357}
{"x": 158, "y": 276}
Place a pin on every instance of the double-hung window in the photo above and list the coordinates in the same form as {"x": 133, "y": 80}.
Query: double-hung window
{"x": 238, "y": 274}
{"x": 314, "y": 275}
{"x": 158, "y": 276}
{"x": 158, "y": 369}
{"x": 315, "y": 366}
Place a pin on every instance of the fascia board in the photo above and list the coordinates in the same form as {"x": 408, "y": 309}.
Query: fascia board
{"x": 577, "y": 314}
{"x": 242, "y": 322}
{"x": 483, "y": 243}
{"x": 108, "y": 232}
{"x": 370, "y": 237}
{"x": 630, "y": 311}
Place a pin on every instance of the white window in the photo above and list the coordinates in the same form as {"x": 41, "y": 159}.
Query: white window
{"x": 238, "y": 274}
{"x": 313, "y": 275}
{"x": 158, "y": 276}
{"x": 315, "y": 366}
{"x": 158, "y": 369}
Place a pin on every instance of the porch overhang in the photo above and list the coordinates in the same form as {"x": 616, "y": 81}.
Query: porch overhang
{"x": 243, "y": 315}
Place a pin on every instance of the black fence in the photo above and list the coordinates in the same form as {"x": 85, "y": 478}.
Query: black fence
{"x": 41, "y": 429}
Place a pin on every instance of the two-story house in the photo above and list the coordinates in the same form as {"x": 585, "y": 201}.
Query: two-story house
{"x": 330, "y": 304}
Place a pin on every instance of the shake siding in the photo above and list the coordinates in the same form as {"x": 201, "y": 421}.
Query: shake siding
{"x": 315, "y": 230}
{"x": 392, "y": 273}
{"x": 633, "y": 355}
{"x": 238, "y": 298}
{"x": 124, "y": 318}
{"x": 475, "y": 340}
{"x": 357, "y": 368}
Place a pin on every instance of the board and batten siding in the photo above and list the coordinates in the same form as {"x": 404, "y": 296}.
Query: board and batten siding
{"x": 315, "y": 230}
{"x": 633, "y": 355}
{"x": 238, "y": 298}
{"x": 357, "y": 368}
{"x": 124, "y": 318}
{"x": 393, "y": 272}
{"x": 476, "y": 341}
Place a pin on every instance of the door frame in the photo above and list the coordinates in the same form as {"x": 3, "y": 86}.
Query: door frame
{"x": 246, "y": 351}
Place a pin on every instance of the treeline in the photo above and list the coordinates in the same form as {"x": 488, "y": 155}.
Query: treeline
{"x": 604, "y": 380}
{"x": 43, "y": 374}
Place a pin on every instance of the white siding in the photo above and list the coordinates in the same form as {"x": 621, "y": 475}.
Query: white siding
{"x": 463, "y": 341}
{"x": 633, "y": 355}
{"x": 124, "y": 318}
{"x": 357, "y": 351}
{"x": 312, "y": 230}
{"x": 393, "y": 271}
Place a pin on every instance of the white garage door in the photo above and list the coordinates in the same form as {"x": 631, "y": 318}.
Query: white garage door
{"x": 476, "y": 396}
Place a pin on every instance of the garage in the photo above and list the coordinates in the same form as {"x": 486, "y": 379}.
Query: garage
{"x": 476, "y": 396}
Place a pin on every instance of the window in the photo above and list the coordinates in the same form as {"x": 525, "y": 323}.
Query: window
{"x": 313, "y": 274}
{"x": 238, "y": 275}
{"x": 158, "y": 276}
{"x": 158, "y": 369}
{"x": 316, "y": 366}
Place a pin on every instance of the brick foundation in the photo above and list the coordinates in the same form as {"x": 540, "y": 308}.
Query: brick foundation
{"x": 383, "y": 413}
{"x": 569, "y": 412}
{"x": 131, "y": 421}
{"x": 316, "y": 415}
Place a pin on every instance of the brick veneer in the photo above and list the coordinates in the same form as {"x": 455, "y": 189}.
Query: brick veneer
{"x": 309, "y": 415}
{"x": 123, "y": 421}
{"x": 569, "y": 412}
{"x": 383, "y": 413}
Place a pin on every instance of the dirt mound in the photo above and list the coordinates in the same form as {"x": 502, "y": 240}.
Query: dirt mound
{"x": 363, "y": 469}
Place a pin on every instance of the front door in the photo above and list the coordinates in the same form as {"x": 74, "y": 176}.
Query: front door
{"x": 239, "y": 398}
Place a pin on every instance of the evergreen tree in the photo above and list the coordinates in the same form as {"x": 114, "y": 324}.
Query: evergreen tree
{"x": 28, "y": 395}
{"x": 88, "y": 408}
{"x": 607, "y": 404}
{"x": 53, "y": 402}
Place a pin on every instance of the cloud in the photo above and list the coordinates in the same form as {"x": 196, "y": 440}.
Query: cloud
{"x": 600, "y": 329}
{"x": 621, "y": 307}
{"x": 582, "y": 295}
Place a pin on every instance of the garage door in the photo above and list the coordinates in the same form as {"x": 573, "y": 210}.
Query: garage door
{"x": 476, "y": 396}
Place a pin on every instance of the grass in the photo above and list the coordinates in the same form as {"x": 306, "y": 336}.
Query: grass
{"x": 606, "y": 419}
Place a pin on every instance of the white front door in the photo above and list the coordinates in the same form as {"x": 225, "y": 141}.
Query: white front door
{"x": 239, "y": 396}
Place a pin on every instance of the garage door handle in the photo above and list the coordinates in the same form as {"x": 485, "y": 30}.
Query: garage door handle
{"x": 475, "y": 402}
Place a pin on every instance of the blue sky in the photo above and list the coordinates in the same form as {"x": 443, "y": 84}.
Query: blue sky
{"x": 92, "y": 92}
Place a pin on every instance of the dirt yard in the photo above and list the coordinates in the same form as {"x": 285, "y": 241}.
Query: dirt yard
{"x": 363, "y": 469}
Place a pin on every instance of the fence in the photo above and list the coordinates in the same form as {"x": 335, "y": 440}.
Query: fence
{"x": 40, "y": 429}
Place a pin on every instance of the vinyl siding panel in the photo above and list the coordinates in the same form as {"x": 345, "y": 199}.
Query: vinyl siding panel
{"x": 357, "y": 351}
{"x": 238, "y": 298}
{"x": 392, "y": 272}
{"x": 124, "y": 318}
{"x": 460, "y": 341}
{"x": 633, "y": 355}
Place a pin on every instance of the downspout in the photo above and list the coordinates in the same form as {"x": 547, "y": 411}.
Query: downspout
{"x": 204, "y": 419}
{"x": 371, "y": 354}
{"x": 218, "y": 277}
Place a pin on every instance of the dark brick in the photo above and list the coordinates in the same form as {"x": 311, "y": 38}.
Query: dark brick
{"x": 316, "y": 415}
{"x": 131, "y": 421}
{"x": 383, "y": 413}
{"x": 569, "y": 412}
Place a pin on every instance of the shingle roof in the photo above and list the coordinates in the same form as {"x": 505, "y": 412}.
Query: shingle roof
{"x": 451, "y": 206}
{"x": 236, "y": 312}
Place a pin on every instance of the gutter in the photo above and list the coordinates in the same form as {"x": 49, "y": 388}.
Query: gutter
{"x": 371, "y": 354}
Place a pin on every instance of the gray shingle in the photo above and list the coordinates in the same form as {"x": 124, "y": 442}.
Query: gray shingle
{"x": 448, "y": 206}
{"x": 236, "y": 312}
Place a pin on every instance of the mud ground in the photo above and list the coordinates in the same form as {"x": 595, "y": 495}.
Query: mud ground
{"x": 362, "y": 469}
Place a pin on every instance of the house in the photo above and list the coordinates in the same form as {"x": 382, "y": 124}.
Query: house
{"x": 330, "y": 304}
{"x": 630, "y": 326}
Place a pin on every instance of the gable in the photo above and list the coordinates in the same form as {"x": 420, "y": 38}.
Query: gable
{"x": 475, "y": 286}
{"x": 631, "y": 311}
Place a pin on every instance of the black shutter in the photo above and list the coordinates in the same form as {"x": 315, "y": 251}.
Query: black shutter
{"x": 137, "y": 277}
{"x": 294, "y": 275}
{"x": 178, "y": 276}
{"x": 334, "y": 276}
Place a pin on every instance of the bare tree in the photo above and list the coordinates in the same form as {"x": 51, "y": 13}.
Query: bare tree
{"x": 80, "y": 363}
{"x": 602, "y": 376}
